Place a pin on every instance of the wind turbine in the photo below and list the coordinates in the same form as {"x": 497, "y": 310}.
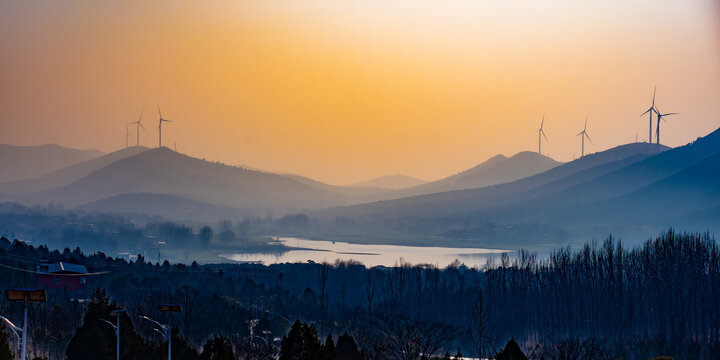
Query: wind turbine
{"x": 660, "y": 117}
{"x": 651, "y": 110}
{"x": 541, "y": 134}
{"x": 584, "y": 134}
{"x": 160, "y": 122}
{"x": 138, "y": 125}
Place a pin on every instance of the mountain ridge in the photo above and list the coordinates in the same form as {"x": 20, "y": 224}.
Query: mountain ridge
{"x": 498, "y": 169}
{"x": 24, "y": 162}
{"x": 391, "y": 182}
{"x": 67, "y": 174}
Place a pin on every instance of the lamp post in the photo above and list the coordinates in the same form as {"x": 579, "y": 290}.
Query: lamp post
{"x": 165, "y": 330}
{"x": 26, "y": 296}
{"x": 117, "y": 330}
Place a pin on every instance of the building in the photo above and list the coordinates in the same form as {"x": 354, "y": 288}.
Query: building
{"x": 62, "y": 275}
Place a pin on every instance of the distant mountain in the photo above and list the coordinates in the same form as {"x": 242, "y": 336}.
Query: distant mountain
{"x": 163, "y": 172}
{"x": 24, "y": 162}
{"x": 345, "y": 194}
{"x": 630, "y": 189}
{"x": 693, "y": 189}
{"x": 67, "y": 174}
{"x": 496, "y": 170}
{"x": 392, "y": 182}
{"x": 551, "y": 181}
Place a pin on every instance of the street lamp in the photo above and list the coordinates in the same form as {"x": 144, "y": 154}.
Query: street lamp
{"x": 117, "y": 330}
{"x": 14, "y": 329}
{"x": 165, "y": 330}
{"x": 26, "y": 296}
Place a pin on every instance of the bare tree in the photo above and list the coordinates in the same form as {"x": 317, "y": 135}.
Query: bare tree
{"x": 410, "y": 339}
{"x": 322, "y": 276}
{"x": 480, "y": 323}
{"x": 370, "y": 292}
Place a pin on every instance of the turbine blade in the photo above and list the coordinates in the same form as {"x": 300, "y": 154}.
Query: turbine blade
{"x": 648, "y": 110}
{"x": 542, "y": 122}
{"x": 668, "y": 114}
{"x": 588, "y": 137}
{"x": 159, "y": 113}
{"x": 654, "y": 91}
{"x": 543, "y": 134}
{"x": 586, "y": 118}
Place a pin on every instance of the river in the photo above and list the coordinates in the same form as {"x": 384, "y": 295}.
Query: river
{"x": 303, "y": 250}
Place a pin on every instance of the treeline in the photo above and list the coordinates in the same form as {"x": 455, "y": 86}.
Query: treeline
{"x": 603, "y": 301}
{"x": 55, "y": 226}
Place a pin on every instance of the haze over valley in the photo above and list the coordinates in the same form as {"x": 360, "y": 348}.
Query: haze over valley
{"x": 527, "y": 200}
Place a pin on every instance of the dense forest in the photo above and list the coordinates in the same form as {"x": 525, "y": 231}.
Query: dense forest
{"x": 602, "y": 301}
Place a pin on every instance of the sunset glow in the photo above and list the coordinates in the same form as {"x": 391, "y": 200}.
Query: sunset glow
{"x": 343, "y": 91}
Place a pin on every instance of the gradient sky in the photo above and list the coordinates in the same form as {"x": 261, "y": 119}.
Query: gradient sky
{"x": 343, "y": 91}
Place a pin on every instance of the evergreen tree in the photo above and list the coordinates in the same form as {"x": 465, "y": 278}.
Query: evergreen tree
{"x": 217, "y": 348}
{"x": 181, "y": 349}
{"x": 328, "y": 350}
{"x": 511, "y": 352}
{"x": 301, "y": 343}
{"x": 346, "y": 348}
{"x": 95, "y": 340}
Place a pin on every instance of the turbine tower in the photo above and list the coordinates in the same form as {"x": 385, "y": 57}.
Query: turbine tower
{"x": 541, "y": 134}
{"x": 651, "y": 110}
{"x": 583, "y": 135}
{"x": 138, "y": 125}
{"x": 127, "y": 134}
{"x": 160, "y": 122}
{"x": 660, "y": 117}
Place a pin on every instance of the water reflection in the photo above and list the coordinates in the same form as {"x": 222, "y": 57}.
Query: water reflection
{"x": 368, "y": 254}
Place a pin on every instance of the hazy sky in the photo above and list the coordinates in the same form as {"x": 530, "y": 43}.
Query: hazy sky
{"x": 343, "y": 91}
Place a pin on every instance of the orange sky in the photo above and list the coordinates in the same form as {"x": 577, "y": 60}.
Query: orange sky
{"x": 347, "y": 90}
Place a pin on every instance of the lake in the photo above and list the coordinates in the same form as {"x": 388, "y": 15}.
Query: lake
{"x": 303, "y": 250}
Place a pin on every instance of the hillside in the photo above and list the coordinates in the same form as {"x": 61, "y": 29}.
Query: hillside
{"x": 628, "y": 190}
{"x": 168, "y": 206}
{"x": 548, "y": 182}
{"x": 67, "y": 175}
{"x": 496, "y": 170}
{"x": 163, "y": 172}
{"x": 24, "y": 162}
{"x": 392, "y": 182}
